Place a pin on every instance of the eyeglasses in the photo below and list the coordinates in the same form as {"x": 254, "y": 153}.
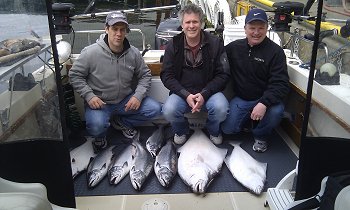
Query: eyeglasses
{"x": 197, "y": 62}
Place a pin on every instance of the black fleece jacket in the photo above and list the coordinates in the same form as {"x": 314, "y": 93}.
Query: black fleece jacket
{"x": 208, "y": 78}
{"x": 258, "y": 72}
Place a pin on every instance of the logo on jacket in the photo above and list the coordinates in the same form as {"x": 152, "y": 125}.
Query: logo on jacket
{"x": 259, "y": 59}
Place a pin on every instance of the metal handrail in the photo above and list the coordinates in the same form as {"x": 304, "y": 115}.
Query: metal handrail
{"x": 89, "y": 32}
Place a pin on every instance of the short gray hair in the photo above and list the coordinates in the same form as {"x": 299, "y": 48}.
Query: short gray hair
{"x": 189, "y": 9}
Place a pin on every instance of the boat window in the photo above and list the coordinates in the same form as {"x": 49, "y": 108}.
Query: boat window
{"x": 29, "y": 107}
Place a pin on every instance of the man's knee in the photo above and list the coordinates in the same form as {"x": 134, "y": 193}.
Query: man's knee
{"x": 168, "y": 111}
{"x": 276, "y": 111}
{"x": 154, "y": 109}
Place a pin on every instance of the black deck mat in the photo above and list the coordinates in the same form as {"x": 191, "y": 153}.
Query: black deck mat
{"x": 280, "y": 159}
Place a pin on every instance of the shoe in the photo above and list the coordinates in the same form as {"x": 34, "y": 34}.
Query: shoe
{"x": 216, "y": 139}
{"x": 116, "y": 123}
{"x": 180, "y": 139}
{"x": 99, "y": 143}
{"x": 260, "y": 146}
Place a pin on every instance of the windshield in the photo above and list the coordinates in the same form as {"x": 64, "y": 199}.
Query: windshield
{"x": 29, "y": 107}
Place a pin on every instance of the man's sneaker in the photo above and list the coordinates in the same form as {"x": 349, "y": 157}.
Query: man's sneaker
{"x": 99, "y": 143}
{"x": 260, "y": 146}
{"x": 216, "y": 139}
{"x": 180, "y": 139}
{"x": 116, "y": 123}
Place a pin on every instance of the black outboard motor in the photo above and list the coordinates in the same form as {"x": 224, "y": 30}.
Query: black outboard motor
{"x": 167, "y": 29}
{"x": 283, "y": 14}
{"x": 61, "y": 17}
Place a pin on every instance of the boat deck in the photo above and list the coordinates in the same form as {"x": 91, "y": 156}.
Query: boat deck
{"x": 280, "y": 157}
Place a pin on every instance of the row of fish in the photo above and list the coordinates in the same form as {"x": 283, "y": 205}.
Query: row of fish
{"x": 198, "y": 163}
{"x": 134, "y": 159}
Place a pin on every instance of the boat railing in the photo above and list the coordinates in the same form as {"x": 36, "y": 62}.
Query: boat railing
{"x": 91, "y": 32}
{"x": 167, "y": 34}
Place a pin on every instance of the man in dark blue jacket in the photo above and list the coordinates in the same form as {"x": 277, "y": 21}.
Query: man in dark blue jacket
{"x": 195, "y": 70}
{"x": 260, "y": 81}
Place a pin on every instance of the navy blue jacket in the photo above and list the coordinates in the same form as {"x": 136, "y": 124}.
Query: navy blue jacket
{"x": 258, "y": 72}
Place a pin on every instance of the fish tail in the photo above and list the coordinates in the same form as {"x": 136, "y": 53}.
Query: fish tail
{"x": 235, "y": 143}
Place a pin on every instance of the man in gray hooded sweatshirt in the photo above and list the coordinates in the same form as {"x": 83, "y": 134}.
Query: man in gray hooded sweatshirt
{"x": 104, "y": 75}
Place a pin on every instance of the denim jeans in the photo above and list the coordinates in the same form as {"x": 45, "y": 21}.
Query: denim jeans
{"x": 97, "y": 120}
{"x": 239, "y": 116}
{"x": 175, "y": 107}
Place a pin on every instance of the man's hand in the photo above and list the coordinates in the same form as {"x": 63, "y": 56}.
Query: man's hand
{"x": 96, "y": 103}
{"x": 133, "y": 104}
{"x": 195, "y": 102}
{"x": 258, "y": 112}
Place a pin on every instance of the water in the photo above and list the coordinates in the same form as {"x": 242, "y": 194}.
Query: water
{"x": 20, "y": 25}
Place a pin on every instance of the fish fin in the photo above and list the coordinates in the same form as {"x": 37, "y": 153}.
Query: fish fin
{"x": 90, "y": 161}
{"x": 104, "y": 165}
{"x": 137, "y": 137}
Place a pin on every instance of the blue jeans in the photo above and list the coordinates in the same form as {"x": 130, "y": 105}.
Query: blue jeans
{"x": 97, "y": 120}
{"x": 239, "y": 116}
{"x": 175, "y": 107}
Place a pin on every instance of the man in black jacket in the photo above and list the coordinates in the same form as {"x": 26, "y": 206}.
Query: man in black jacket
{"x": 260, "y": 81}
{"x": 195, "y": 70}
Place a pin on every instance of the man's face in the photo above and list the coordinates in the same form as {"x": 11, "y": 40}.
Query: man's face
{"x": 255, "y": 32}
{"x": 191, "y": 25}
{"x": 116, "y": 35}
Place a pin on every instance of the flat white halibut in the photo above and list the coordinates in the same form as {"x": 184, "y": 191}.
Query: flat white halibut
{"x": 246, "y": 170}
{"x": 81, "y": 156}
{"x": 121, "y": 165}
{"x": 165, "y": 165}
{"x": 199, "y": 161}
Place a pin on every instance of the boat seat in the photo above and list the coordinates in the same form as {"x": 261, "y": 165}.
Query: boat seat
{"x": 28, "y": 196}
{"x": 281, "y": 196}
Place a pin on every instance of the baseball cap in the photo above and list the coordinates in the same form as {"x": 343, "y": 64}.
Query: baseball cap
{"x": 116, "y": 17}
{"x": 256, "y": 14}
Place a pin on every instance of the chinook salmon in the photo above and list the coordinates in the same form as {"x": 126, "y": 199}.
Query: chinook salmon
{"x": 121, "y": 165}
{"x": 141, "y": 167}
{"x": 199, "y": 161}
{"x": 155, "y": 141}
{"x": 98, "y": 167}
{"x": 165, "y": 165}
{"x": 246, "y": 170}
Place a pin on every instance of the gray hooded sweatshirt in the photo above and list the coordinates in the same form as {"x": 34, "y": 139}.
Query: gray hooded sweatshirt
{"x": 99, "y": 72}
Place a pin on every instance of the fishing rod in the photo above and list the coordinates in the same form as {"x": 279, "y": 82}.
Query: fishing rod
{"x": 103, "y": 14}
